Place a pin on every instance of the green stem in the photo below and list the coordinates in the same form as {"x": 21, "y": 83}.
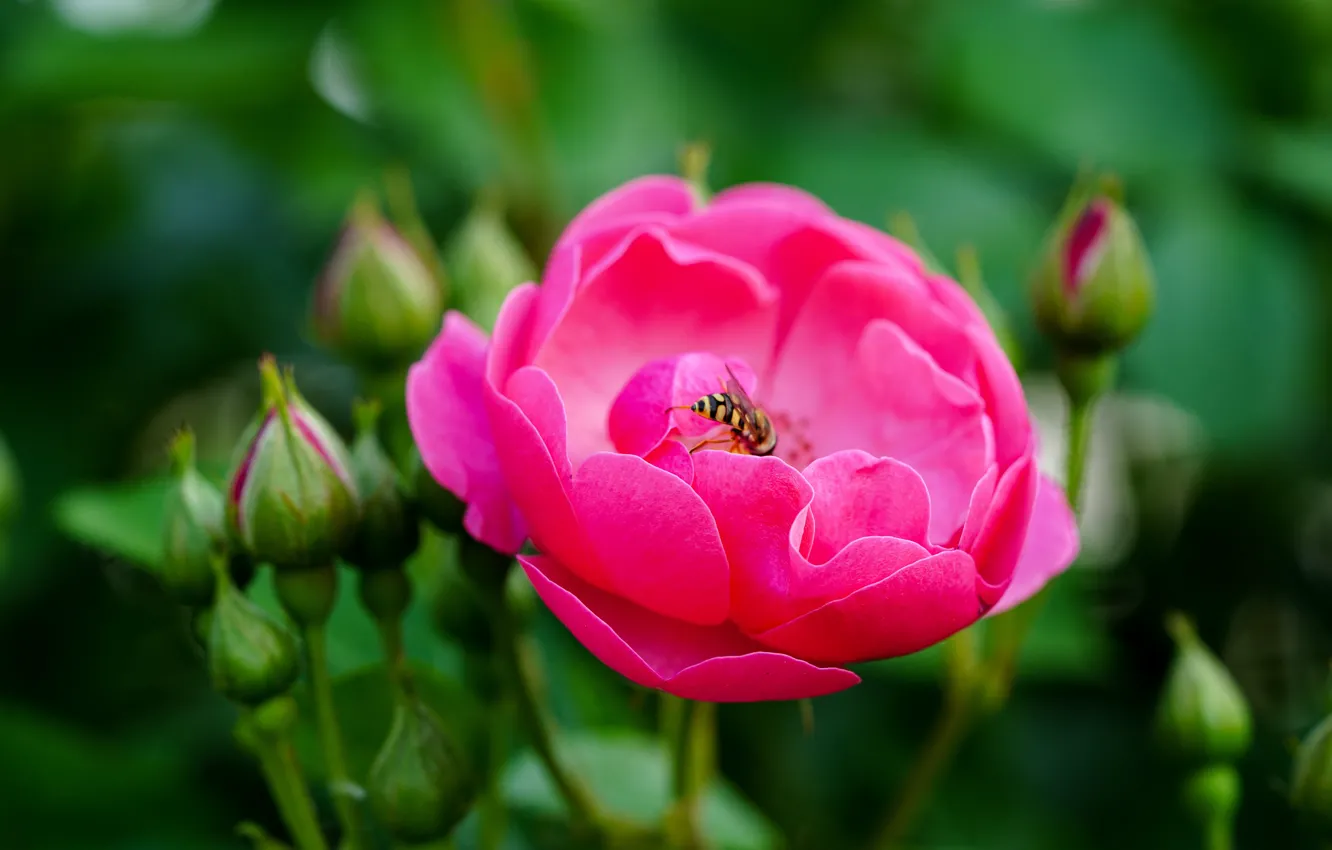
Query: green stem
{"x": 494, "y": 820}
{"x": 950, "y": 729}
{"x": 1079, "y": 438}
{"x": 330, "y": 739}
{"x": 693, "y": 748}
{"x": 1219, "y": 834}
{"x": 582, "y": 811}
{"x": 278, "y": 763}
{"x": 395, "y": 656}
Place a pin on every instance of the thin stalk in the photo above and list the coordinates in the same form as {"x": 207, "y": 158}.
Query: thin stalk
{"x": 1219, "y": 834}
{"x": 395, "y": 655}
{"x": 692, "y": 752}
{"x": 582, "y": 810}
{"x": 330, "y": 739}
{"x": 950, "y": 730}
{"x": 282, "y": 772}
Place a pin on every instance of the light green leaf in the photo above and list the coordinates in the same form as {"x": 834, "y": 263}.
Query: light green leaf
{"x": 628, "y": 772}
{"x": 124, "y": 520}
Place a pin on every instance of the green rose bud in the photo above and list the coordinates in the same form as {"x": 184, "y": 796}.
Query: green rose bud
{"x": 1202, "y": 716}
{"x": 196, "y": 532}
{"x": 252, "y": 657}
{"x": 291, "y": 501}
{"x": 485, "y": 260}
{"x": 1311, "y": 777}
{"x": 389, "y": 530}
{"x": 420, "y": 785}
{"x": 377, "y": 302}
{"x": 1094, "y": 291}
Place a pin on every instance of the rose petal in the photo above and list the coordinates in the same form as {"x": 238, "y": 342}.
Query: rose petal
{"x": 657, "y": 298}
{"x": 1005, "y": 404}
{"x": 1050, "y": 547}
{"x": 755, "y": 501}
{"x": 447, "y": 414}
{"x": 774, "y": 195}
{"x": 915, "y": 607}
{"x": 888, "y": 398}
{"x": 673, "y": 457}
{"x": 641, "y": 415}
{"x": 654, "y": 536}
{"x": 858, "y": 495}
{"x": 712, "y": 663}
{"x": 1000, "y": 539}
{"x": 653, "y": 193}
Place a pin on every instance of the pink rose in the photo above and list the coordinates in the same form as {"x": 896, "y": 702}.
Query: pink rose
{"x": 901, "y": 504}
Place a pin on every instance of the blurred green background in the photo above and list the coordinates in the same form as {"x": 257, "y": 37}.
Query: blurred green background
{"x": 173, "y": 173}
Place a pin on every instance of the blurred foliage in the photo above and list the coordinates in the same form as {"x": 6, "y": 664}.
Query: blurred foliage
{"x": 173, "y": 174}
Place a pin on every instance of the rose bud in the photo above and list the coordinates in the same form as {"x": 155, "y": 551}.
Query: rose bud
{"x": 195, "y": 528}
{"x": 1094, "y": 290}
{"x": 1311, "y": 776}
{"x": 740, "y": 448}
{"x": 376, "y": 302}
{"x": 389, "y": 530}
{"x": 291, "y": 500}
{"x": 252, "y": 657}
{"x": 420, "y": 785}
{"x": 458, "y": 611}
{"x": 485, "y": 262}
{"x": 1202, "y": 715}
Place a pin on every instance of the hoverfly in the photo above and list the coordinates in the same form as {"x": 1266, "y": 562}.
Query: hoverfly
{"x": 751, "y": 429}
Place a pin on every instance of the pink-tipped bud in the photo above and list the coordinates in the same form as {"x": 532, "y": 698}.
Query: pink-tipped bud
{"x": 291, "y": 501}
{"x": 1094, "y": 290}
{"x": 377, "y": 302}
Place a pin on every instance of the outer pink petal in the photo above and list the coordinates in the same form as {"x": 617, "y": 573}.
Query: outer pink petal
{"x": 1004, "y": 530}
{"x": 537, "y": 480}
{"x": 1005, "y": 404}
{"x": 775, "y": 195}
{"x": 449, "y": 423}
{"x": 655, "y": 538}
{"x": 1050, "y": 547}
{"x": 657, "y": 298}
{"x": 713, "y": 663}
{"x": 858, "y": 495}
{"x": 653, "y": 193}
{"x": 915, "y": 607}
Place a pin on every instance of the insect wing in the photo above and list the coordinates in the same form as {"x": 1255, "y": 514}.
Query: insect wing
{"x": 742, "y": 399}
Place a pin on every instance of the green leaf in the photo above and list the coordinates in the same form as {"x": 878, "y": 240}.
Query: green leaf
{"x": 628, "y": 772}
{"x": 364, "y": 704}
{"x": 124, "y": 520}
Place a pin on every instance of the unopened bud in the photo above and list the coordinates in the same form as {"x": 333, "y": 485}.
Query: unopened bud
{"x": 291, "y": 500}
{"x": 1203, "y": 716}
{"x": 389, "y": 530}
{"x": 252, "y": 657}
{"x": 485, "y": 261}
{"x": 1311, "y": 777}
{"x": 1094, "y": 291}
{"x": 420, "y": 785}
{"x": 377, "y": 302}
{"x": 195, "y": 527}
{"x": 385, "y": 594}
